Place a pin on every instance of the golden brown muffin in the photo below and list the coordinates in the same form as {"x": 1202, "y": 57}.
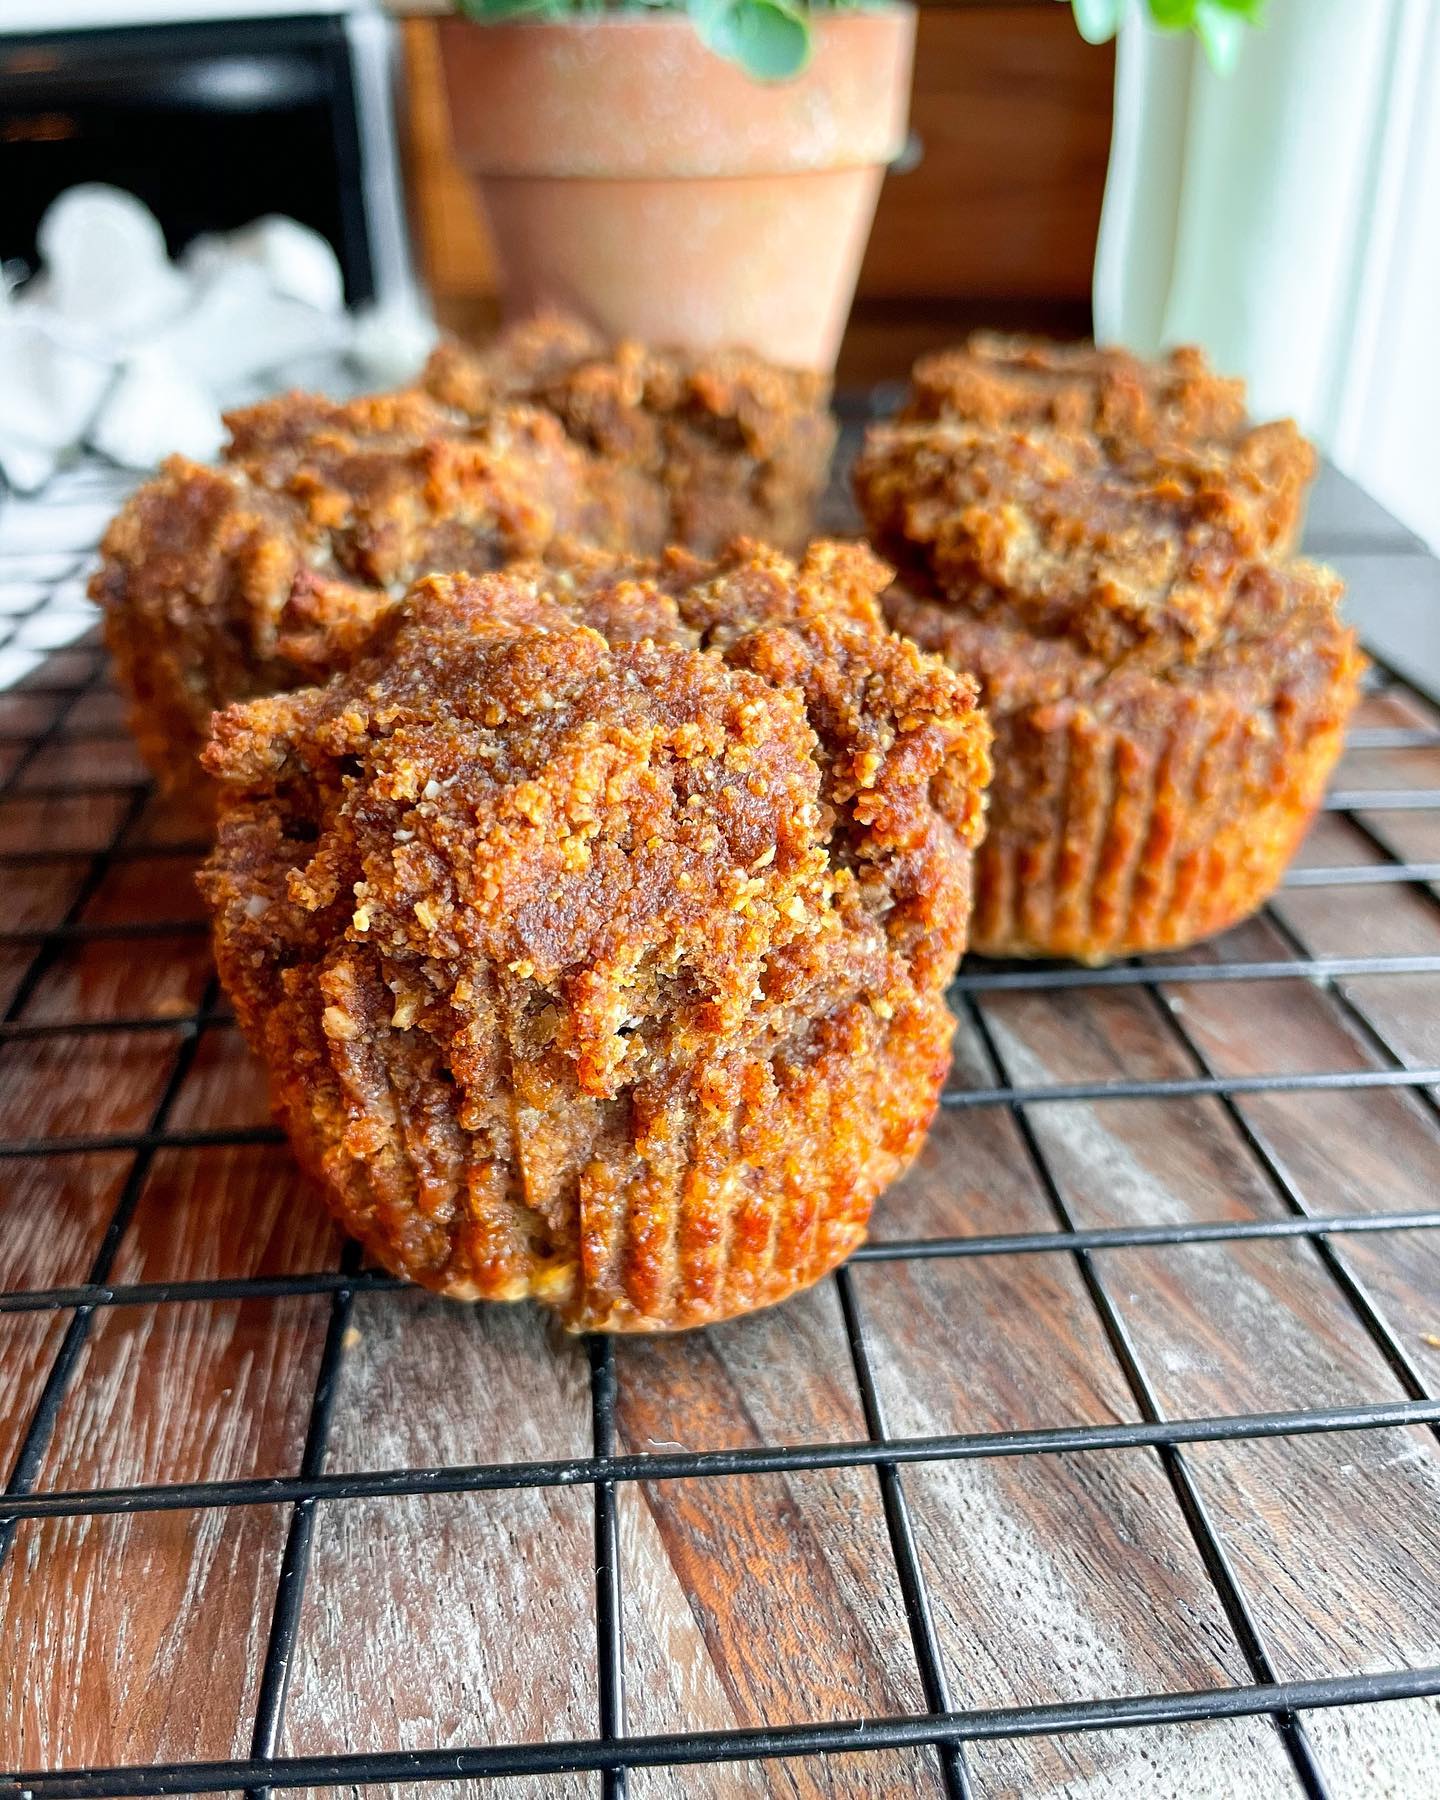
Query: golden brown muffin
{"x": 733, "y": 445}
{"x": 1176, "y": 402}
{"x": 595, "y": 926}
{"x": 1167, "y": 700}
{"x": 267, "y": 573}
{"x": 996, "y": 379}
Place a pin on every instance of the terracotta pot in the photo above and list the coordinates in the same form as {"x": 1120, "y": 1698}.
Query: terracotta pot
{"x": 633, "y": 176}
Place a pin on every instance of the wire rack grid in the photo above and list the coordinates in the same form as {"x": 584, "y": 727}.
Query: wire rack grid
{"x": 57, "y": 705}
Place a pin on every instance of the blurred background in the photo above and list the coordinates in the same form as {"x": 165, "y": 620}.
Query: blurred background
{"x": 1286, "y": 215}
{"x": 214, "y": 123}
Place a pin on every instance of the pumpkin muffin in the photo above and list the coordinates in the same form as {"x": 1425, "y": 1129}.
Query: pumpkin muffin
{"x": 266, "y": 573}
{"x": 595, "y": 925}
{"x": 1168, "y": 698}
{"x": 1127, "y": 403}
{"x": 731, "y": 445}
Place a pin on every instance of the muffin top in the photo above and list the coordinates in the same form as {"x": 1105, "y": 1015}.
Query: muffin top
{"x": 659, "y": 804}
{"x": 1002, "y": 380}
{"x": 281, "y": 559}
{"x": 1114, "y": 557}
{"x": 1049, "y": 565}
{"x": 395, "y": 484}
{"x": 628, "y": 400}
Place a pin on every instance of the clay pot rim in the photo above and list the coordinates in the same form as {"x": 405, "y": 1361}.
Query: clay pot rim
{"x": 649, "y": 18}
{"x": 539, "y": 98}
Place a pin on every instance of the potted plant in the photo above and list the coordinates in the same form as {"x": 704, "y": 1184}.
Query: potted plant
{"x": 703, "y": 173}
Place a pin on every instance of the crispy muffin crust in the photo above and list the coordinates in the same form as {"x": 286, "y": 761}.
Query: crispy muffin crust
{"x": 223, "y": 584}
{"x": 1167, "y": 699}
{"x": 267, "y": 573}
{"x": 999, "y": 379}
{"x": 1130, "y": 557}
{"x": 733, "y": 445}
{"x": 595, "y": 925}
{"x": 1126, "y": 403}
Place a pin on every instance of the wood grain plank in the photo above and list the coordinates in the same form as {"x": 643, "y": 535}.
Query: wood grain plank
{"x": 1346, "y": 1739}
{"x": 880, "y": 1772}
{"x": 761, "y": 1598}
{"x": 1410, "y": 836}
{"x": 82, "y": 822}
{"x": 168, "y": 820}
{"x": 73, "y": 668}
{"x": 471, "y": 1617}
{"x": 781, "y": 1376}
{"x": 135, "y": 1638}
{"x": 1343, "y": 1153}
{"x": 13, "y": 964}
{"x": 140, "y": 889}
{"x": 226, "y": 1088}
{"x": 1266, "y": 1314}
{"x": 503, "y": 1583}
{"x": 58, "y": 1087}
{"x": 35, "y": 897}
{"x": 1399, "y": 920}
{"x": 969, "y": 1176}
{"x": 226, "y": 1212}
{"x": 56, "y": 1210}
{"x": 201, "y": 1392}
{"x": 457, "y": 1619}
{"x": 102, "y": 709}
{"x": 78, "y": 761}
{"x": 127, "y": 1615}
{"x": 27, "y": 713}
{"x": 1337, "y": 1541}
{"x": 715, "y": 1571}
{"x": 1049, "y": 1575}
{"x": 1246, "y": 1325}
{"x": 105, "y": 979}
{"x": 510, "y": 1787}
{"x": 28, "y": 1343}
{"x": 1058, "y": 1578}
{"x": 439, "y": 1381}
{"x": 973, "y": 1333}
{"x": 1177, "y": 1762}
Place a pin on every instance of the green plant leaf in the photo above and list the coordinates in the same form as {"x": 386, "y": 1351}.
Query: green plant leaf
{"x": 495, "y": 12}
{"x": 770, "y": 39}
{"x": 1097, "y": 20}
{"x": 1173, "y": 15}
{"x": 1219, "y": 24}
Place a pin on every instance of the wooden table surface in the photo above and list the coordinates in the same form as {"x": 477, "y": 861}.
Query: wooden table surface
{"x": 753, "y": 1598}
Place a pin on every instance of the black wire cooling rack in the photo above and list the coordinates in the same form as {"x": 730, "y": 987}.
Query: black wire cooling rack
{"x": 55, "y": 694}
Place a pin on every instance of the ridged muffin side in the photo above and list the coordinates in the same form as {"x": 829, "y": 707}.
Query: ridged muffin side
{"x": 595, "y": 926}
{"x": 1168, "y": 695}
{"x": 1144, "y": 811}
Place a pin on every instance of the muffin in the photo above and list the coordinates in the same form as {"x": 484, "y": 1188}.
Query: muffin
{"x": 1168, "y": 696}
{"x": 1177, "y": 401}
{"x": 595, "y": 925}
{"x": 732, "y": 445}
{"x": 265, "y": 574}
